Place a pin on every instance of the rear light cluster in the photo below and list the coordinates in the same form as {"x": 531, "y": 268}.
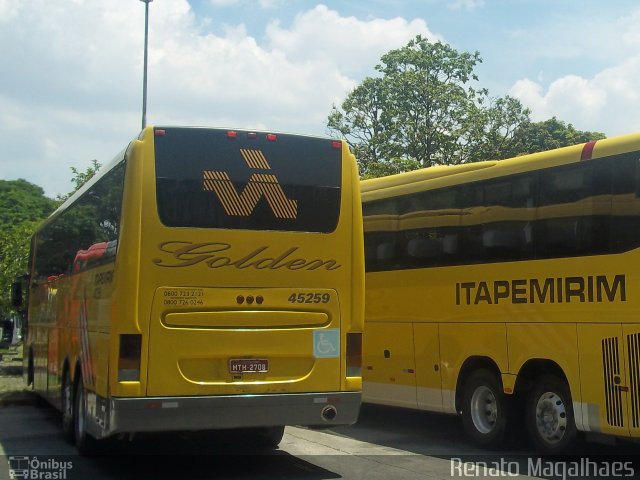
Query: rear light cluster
{"x": 354, "y": 354}
{"x": 232, "y": 134}
{"x": 129, "y": 357}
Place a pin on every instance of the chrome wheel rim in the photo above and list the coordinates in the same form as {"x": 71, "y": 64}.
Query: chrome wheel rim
{"x": 484, "y": 409}
{"x": 551, "y": 417}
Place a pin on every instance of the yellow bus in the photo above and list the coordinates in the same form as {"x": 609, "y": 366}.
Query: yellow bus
{"x": 204, "y": 279}
{"x": 507, "y": 292}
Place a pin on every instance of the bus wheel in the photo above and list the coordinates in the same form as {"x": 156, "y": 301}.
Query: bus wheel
{"x": 484, "y": 409}
{"x": 85, "y": 443}
{"x": 67, "y": 407}
{"x": 549, "y": 415}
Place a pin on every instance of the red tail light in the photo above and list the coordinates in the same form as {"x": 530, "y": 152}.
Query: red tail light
{"x": 129, "y": 358}
{"x": 354, "y": 354}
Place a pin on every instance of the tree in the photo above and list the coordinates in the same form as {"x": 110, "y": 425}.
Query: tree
{"x": 80, "y": 178}
{"x": 22, "y": 201}
{"x": 423, "y": 110}
{"x": 534, "y": 137}
{"x": 23, "y": 206}
{"x": 14, "y": 253}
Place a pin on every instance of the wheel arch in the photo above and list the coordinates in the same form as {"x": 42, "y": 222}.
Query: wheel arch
{"x": 469, "y": 366}
{"x": 535, "y": 368}
{"x": 77, "y": 373}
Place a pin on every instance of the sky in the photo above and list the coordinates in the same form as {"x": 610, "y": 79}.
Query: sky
{"x": 71, "y": 70}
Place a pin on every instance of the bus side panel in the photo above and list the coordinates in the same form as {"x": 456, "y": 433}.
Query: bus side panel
{"x": 100, "y": 292}
{"x": 631, "y": 337}
{"x": 461, "y": 341}
{"x": 43, "y": 337}
{"x": 53, "y": 364}
{"x": 128, "y": 317}
{"x": 547, "y": 341}
{"x": 389, "y": 364}
{"x": 39, "y": 347}
{"x": 603, "y": 400}
{"x": 355, "y": 321}
{"x": 428, "y": 378}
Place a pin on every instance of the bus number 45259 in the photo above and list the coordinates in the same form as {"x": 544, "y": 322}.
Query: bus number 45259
{"x": 309, "y": 298}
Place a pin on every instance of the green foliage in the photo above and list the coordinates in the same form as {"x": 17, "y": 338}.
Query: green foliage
{"x": 14, "y": 252}
{"x": 549, "y": 134}
{"x": 23, "y": 206}
{"x": 425, "y": 109}
{"x": 383, "y": 168}
{"x": 80, "y": 178}
{"x": 21, "y": 201}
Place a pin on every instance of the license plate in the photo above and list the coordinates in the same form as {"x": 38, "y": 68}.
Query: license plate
{"x": 248, "y": 365}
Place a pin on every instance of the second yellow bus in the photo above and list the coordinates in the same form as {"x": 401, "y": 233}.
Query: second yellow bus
{"x": 507, "y": 292}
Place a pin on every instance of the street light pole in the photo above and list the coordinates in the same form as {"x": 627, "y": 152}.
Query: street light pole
{"x": 144, "y": 75}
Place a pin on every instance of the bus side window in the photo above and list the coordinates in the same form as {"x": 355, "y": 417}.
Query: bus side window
{"x": 471, "y": 210}
{"x": 574, "y": 210}
{"x": 380, "y": 251}
{"x": 386, "y": 252}
{"x": 625, "y": 218}
{"x": 424, "y": 251}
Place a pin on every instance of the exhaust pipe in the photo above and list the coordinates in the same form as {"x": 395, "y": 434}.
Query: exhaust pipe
{"x": 329, "y": 413}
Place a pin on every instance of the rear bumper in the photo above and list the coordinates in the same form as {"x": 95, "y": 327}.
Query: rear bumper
{"x": 158, "y": 414}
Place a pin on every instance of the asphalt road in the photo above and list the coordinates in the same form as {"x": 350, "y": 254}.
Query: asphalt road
{"x": 386, "y": 443}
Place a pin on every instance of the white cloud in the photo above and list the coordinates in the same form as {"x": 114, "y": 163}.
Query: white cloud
{"x": 224, "y": 3}
{"x": 266, "y": 4}
{"x": 322, "y": 34}
{"x": 269, "y": 4}
{"x": 9, "y": 10}
{"x": 77, "y": 97}
{"x": 71, "y": 83}
{"x": 465, "y": 4}
{"x": 607, "y": 102}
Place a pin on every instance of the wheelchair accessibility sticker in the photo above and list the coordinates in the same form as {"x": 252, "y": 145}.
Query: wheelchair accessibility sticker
{"x": 326, "y": 343}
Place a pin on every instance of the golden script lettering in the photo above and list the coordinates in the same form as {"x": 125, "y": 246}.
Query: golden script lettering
{"x": 219, "y": 255}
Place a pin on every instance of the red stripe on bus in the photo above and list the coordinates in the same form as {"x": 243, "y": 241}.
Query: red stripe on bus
{"x": 587, "y": 150}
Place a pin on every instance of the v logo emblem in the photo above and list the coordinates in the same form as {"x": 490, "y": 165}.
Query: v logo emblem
{"x": 242, "y": 204}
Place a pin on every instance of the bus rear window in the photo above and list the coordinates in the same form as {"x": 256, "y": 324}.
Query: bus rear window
{"x": 207, "y": 178}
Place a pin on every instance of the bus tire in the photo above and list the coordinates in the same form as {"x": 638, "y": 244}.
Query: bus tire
{"x": 484, "y": 409}
{"x": 549, "y": 415}
{"x": 67, "y": 407}
{"x": 85, "y": 443}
